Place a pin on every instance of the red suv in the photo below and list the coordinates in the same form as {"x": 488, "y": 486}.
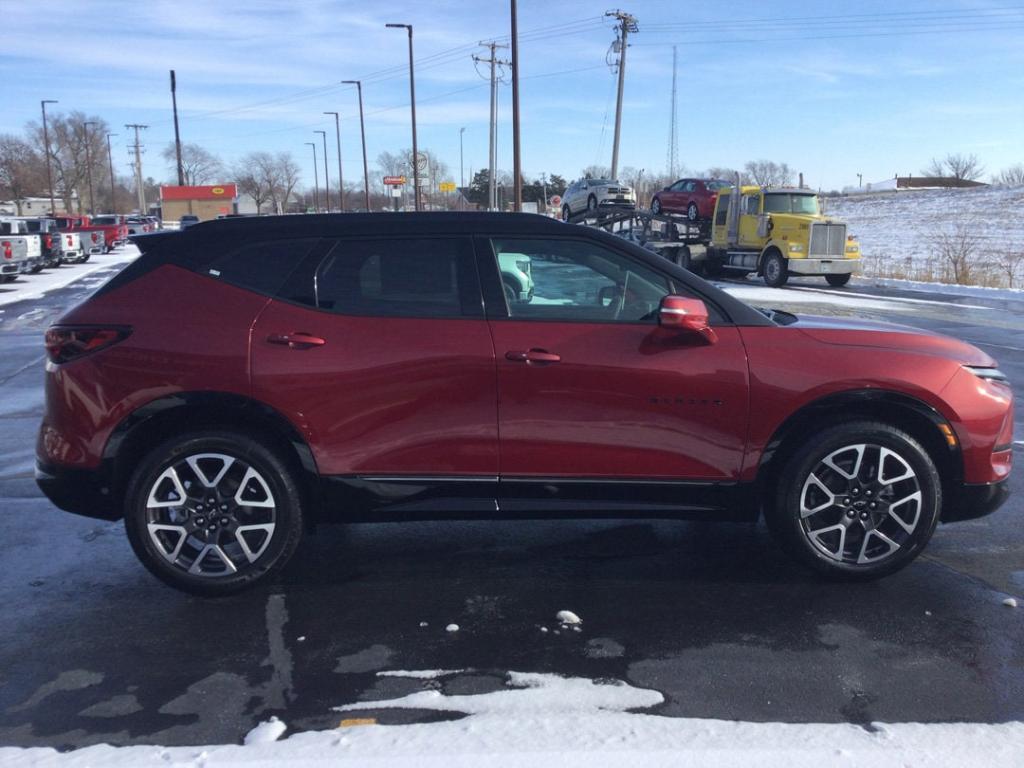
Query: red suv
{"x": 248, "y": 378}
{"x": 694, "y": 197}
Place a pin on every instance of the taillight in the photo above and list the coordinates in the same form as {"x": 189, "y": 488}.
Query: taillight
{"x": 69, "y": 239}
{"x": 8, "y": 254}
{"x": 95, "y": 237}
{"x": 66, "y": 343}
{"x": 49, "y": 241}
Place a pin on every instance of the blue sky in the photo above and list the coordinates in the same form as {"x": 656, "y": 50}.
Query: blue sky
{"x": 832, "y": 88}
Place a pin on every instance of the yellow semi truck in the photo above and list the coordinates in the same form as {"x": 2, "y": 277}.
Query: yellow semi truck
{"x": 778, "y": 232}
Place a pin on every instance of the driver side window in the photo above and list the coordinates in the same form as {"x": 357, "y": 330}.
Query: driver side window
{"x": 576, "y": 281}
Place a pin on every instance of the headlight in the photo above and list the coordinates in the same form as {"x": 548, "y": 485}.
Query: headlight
{"x": 989, "y": 374}
{"x": 796, "y": 248}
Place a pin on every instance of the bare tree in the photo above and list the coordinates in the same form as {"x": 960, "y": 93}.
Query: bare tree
{"x": 198, "y": 164}
{"x": 727, "y": 174}
{"x": 22, "y": 170}
{"x": 1011, "y": 262}
{"x": 287, "y": 175}
{"x": 937, "y": 168}
{"x": 1010, "y": 177}
{"x": 252, "y": 177}
{"x": 766, "y": 173}
{"x": 956, "y": 166}
{"x": 956, "y": 249}
{"x": 596, "y": 172}
{"x": 70, "y": 161}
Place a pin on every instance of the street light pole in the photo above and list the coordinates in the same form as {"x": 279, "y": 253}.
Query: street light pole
{"x": 316, "y": 178}
{"x": 88, "y": 166}
{"x": 412, "y": 99}
{"x": 462, "y": 171}
{"x": 46, "y": 141}
{"x": 110, "y": 159}
{"x": 517, "y": 167}
{"x": 341, "y": 182}
{"x": 362, "y": 131}
{"x": 327, "y": 180}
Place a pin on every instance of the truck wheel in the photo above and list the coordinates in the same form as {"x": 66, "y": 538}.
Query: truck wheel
{"x": 859, "y": 500}
{"x": 656, "y": 206}
{"x": 691, "y": 212}
{"x": 592, "y": 204}
{"x": 682, "y": 257}
{"x": 566, "y": 212}
{"x": 838, "y": 281}
{"x": 776, "y": 273}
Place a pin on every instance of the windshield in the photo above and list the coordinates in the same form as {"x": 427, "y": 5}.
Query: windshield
{"x": 786, "y": 202}
{"x": 714, "y": 186}
{"x": 104, "y": 220}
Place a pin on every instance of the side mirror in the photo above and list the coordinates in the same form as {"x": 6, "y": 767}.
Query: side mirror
{"x": 687, "y": 315}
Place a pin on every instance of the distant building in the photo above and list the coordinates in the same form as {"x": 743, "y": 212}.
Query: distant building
{"x": 35, "y": 206}
{"x": 206, "y": 202}
{"x": 898, "y": 183}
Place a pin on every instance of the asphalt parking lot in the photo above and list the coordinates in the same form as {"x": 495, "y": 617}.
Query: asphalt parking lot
{"x": 94, "y": 650}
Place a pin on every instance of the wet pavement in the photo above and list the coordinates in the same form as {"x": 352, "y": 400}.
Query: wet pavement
{"x": 93, "y": 649}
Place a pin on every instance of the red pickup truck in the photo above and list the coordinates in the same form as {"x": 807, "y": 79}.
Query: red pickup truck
{"x": 112, "y": 228}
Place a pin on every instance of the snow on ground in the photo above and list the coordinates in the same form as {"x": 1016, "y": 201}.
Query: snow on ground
{"x": 541, "y": 720}
{"x": 898, "y": 230}
{"x": 34, "y": 286}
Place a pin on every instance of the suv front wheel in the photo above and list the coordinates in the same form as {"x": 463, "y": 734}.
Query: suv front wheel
{"x": 213, "y": 512}
{"x": 859, "y": 500}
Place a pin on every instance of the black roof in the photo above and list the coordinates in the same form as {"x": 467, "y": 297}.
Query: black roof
{"x": 189, "y": 247}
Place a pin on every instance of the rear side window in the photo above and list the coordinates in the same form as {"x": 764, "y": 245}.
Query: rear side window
{"x": 393, "y": 277}
{"x": 262, "y": 266}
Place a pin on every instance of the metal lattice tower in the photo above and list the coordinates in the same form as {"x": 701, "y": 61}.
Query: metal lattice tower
{"x": 673, "y": 138}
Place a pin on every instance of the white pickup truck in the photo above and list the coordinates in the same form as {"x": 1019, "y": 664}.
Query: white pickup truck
{"x": 13, "y": 257}
{"x": 13, "y": 231}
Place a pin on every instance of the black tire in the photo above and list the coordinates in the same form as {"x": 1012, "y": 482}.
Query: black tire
{"x": 682, "y": 257}
{"x": 815, "y": 539}
{"x": 272, "y": 552}
{"x": 592, "y": 204}
{"x": 566, "y": 212}
{"x": 692, "y": 213}
{"x": 37, "y": 269}
{"x": 775, "y": 271}
{"x": 656, "y": 206}
{"x": 837, "y": 281}
{"x": 85, "y": 258}
{"x": 511, "y": 293}
{"x": 7, "y": 278}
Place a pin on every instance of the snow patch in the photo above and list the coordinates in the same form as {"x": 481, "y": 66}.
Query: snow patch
{"x": 452, "y": 628}
{"x": 1010, "y": 602}
{"x": 420, "y": 674}
{"x": 266, "y": 732}
{"x": 35, "y": 286}
{"x": 568, "y": 617}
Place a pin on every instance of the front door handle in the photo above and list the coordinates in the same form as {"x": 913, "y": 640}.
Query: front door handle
{"x": 297, "y": 340}
{"x": 534, "y": 356}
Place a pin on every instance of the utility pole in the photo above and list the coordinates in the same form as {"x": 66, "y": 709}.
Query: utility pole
{"x": 494, "y": 62}
{"x": 517, "y": 168}
{"x": 46, "y": 141}
{"x": 627, "y": 24}
{"x": 177, "y": 135}
{"x": 860, "y": 180}
{"x": 412, "y": 101}
{"x": 362, "y": 131}
{"x": 462, "y": 170}
{"x": 673, "y": 131}
{"x": 316, "y": 178}
{"x": 327, "y": 181}
{"x": 88, "y": 166}
{"x": 138, "y": 167}
{"x": 110, "y": 160}
{"x": 341, "y": 182}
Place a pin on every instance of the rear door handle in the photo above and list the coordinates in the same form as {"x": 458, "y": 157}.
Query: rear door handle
{"x": 533, "y": 356}
{"x": 297, "y": 340}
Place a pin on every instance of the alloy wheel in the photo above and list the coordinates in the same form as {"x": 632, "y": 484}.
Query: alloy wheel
{"x": 860, "y": 504}
{"x": 210, "y": 514}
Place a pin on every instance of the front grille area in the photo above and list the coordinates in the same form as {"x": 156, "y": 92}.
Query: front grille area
{"x": 827, "y": 240}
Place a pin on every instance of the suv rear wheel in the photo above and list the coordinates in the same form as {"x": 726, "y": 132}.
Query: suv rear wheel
{"x": 858, "y": 500}
{"x": 213, "y": 512}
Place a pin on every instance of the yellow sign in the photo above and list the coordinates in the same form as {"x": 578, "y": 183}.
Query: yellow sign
{"x": 217, "y": 190}
{"x": 447, "y": 186}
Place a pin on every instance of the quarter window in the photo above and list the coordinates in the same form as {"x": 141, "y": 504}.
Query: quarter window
{"x": 260, "y": 266}
{"x": 574, "y": 281}
{"x": 398, "y": 277}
